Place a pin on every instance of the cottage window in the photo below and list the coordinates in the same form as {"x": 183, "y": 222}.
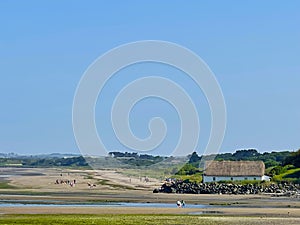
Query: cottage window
{"x": 254, "y": 178}
{"x": 246, "y": 178}
{"x": 214, "y": 179}
{"x": 231, "y": 178}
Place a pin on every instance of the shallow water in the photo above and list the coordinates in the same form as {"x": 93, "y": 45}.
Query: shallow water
{"x": 105, "y": 204}
{"x": 205, "y": 212}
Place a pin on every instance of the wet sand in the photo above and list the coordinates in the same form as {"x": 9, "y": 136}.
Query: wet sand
{"x": 265, "y": 212}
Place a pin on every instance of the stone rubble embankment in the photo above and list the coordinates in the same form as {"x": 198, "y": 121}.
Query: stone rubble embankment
{"x": 181, "y": 187}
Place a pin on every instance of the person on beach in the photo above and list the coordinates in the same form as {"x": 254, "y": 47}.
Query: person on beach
{"x": 180, "y": 204}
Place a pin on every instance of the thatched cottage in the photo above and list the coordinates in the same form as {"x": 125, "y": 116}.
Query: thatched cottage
{"x": 234, "y": 170}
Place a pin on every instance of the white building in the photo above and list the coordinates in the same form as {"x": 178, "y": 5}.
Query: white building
{"x": 233, "y": 171}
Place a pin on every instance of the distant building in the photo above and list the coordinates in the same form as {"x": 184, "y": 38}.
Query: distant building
{"x": 234, "y": 171}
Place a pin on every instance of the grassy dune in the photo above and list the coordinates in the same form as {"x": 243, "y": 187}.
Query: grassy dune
{"x": 289, "y": 175}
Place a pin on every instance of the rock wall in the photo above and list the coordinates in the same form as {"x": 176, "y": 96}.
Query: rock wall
{"x": 227, "y": 188}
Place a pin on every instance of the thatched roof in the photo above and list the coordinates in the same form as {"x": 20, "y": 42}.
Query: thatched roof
{"x": 235, "y": 168}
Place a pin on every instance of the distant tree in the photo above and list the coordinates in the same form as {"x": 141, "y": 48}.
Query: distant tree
{"x": 249, "y": 154}
{"x": 271, "y": 163}
{"x": 293, "y": 159}
{"x": 224, "y": 156}
{"x": 187, "y": 169}
{"x": 117, "y": 154}
{"x": 194, "y": 159}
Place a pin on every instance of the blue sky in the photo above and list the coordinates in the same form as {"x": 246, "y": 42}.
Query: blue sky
{"x": 253, "y": 48}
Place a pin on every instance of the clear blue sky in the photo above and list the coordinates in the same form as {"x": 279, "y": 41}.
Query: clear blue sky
{"x": 253, "y": 47}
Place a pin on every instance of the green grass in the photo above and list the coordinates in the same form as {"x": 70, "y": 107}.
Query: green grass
{"x": 89, "y": 177}
{"x": 244, "y": 182}
{"x": 6, "y": 185}
{"x": 294, "y": 174}
{"x": 268, "y": 170}
{"x": 289, "y": 175}
{"x": 125, "y": 219}
{"x": 107, "y": 183}
{"x": 101, "y": 219}
{"x": 139, "y": 219}
{"x": 192, "y": 178}
{"x": 117, "y": 186}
